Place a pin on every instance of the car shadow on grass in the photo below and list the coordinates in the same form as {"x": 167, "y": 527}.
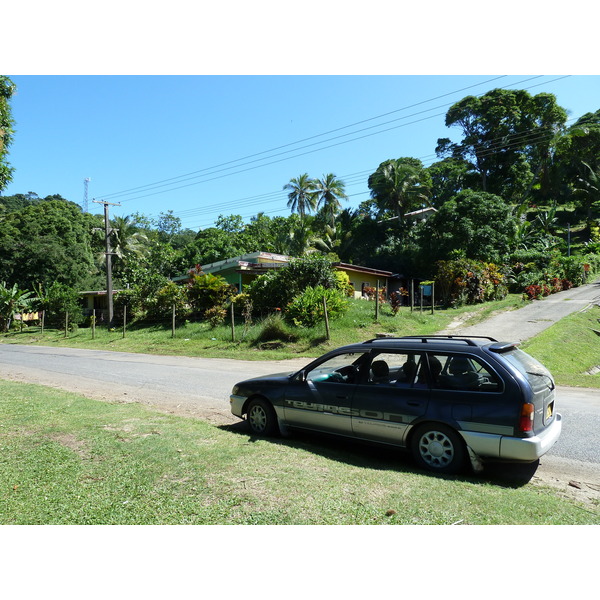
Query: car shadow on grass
{"x": 363, "y": 454}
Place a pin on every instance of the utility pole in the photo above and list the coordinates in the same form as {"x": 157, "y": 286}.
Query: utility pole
{"x": 108, "y": 253}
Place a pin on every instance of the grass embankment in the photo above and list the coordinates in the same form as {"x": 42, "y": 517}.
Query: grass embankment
{"x": 70, "y": 460}
{"x": 570, "y": 349}
{"x": 264, "y": 340}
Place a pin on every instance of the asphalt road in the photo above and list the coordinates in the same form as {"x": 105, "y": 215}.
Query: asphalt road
{"x": 524, "y": 323}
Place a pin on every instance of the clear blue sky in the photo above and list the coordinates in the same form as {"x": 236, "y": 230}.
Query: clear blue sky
{"x": 208, "y": 145}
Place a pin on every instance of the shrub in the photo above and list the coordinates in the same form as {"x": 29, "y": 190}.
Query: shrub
{"x": 396, "y": 300}
{"x": 278, "y": 288}
{"x": 464, "y": 281}
{"x": 307, "y": 309}
{"x": 207, "y": 291}
{"x": 166, "y": 297}
{"x": 273, "y": 329}
{"x": 215, "y": 315}
{"x": 61, "y": 299}
{"x": 343, "y": 283}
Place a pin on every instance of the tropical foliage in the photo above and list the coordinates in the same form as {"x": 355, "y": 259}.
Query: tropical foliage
{"x": 513, "y": 203}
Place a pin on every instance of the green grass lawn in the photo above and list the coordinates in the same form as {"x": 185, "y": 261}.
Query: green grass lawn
{"x": 259, "y": 343}
{"x": 570, "y": 349}
{"x": 69, "y": 460}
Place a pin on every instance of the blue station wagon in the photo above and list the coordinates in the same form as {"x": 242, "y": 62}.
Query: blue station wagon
{"x": 450, "y": 400}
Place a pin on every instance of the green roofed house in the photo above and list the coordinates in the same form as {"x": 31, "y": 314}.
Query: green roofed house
{"x": 241, "y": 270}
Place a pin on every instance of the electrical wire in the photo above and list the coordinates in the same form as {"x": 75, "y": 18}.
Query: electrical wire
{"x": 518, "y": 139}
{"x": 115, "y": 194}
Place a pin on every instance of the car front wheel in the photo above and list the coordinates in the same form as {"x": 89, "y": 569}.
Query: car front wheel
{"x": 262, "y": 418}
{"x": 438, "y": 448}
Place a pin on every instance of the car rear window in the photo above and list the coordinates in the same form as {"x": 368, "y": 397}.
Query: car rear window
{"x": 535, "y": 372}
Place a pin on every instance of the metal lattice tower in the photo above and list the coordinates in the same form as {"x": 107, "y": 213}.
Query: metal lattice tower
{"x": 85, "y": 194}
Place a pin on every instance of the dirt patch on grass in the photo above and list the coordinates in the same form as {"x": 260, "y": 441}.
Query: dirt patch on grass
{"x": 68, "y": 440}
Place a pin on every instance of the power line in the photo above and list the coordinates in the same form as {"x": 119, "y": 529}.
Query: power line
{"x": 214, "y": 172}
{"x": 276, "y": 196}
{"x": 498, "y": 144}
{"x": 305, "y": 139}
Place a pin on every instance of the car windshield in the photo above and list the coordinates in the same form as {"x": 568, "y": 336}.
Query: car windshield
{"x": 537, "y": 375}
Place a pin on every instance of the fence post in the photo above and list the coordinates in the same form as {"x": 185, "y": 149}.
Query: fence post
{"x": 326, "y": 318}
{"x": 124, "y": 319}
{"x": 377, "y": 301}
{"x": 93, "y": 323}
{"x": 232, "y": 323}
{"x": 66, "y": 322}
{"x": 43, "y": 317}
{"x": 432, "y": 295}
{"x": 173, "y": 322}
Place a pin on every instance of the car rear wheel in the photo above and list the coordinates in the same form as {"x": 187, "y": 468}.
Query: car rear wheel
{"x": 262, "y": 418}
{"x": 438, "y": 448}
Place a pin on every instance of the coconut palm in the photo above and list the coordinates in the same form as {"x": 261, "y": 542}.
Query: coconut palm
{"x": 587, "y": 190}
{"x": 329, "y": 191}
{"x": 301, "y": 198}
{"x": 128, "y": 240}
{"x": 398, "y": 186}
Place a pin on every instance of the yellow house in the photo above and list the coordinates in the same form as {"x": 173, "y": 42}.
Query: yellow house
{"x": 363, "y": 277}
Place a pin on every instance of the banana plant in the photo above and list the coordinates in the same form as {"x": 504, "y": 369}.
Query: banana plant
{"x": 12, "y": 300}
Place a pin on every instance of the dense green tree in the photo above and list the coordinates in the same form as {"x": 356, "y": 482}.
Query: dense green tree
{"x": 474, "y": 225}
{"x": 507, "y": 138}
{"x": 448, "y": 177}
{"x": 578, "y": 152}
{"x": 7, "y": 89}
{"x": 214, "y": 244}
{"x": 47, "y": 242}
{"x": 272, "y": 234}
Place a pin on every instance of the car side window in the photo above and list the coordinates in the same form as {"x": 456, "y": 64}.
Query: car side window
{"x": 462, "y": 372}
{"x": 342, "y": 368}
{"x": 400, "y": 369}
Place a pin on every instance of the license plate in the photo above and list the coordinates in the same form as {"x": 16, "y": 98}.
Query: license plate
{"x": 549, "y": 411}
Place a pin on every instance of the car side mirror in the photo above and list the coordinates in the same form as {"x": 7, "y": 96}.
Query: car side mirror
{"x": 300, "y": 377}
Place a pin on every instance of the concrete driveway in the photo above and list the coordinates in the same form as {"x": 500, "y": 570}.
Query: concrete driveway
{"x": 524, "y": 323}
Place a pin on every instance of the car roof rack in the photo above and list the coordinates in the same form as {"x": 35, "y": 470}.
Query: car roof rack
{"x": 434, "y": 338}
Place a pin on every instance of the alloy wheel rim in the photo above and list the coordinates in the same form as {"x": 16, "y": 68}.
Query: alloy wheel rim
{"x": 436, "y": 449}
{"x": 258, "y": 418}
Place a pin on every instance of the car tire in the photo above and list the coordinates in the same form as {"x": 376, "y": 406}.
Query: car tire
{"x": 438, "y": 448}
{"x": 261, "y": 418}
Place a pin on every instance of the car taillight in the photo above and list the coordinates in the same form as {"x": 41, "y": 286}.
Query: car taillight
{"x": 526, "y": 420}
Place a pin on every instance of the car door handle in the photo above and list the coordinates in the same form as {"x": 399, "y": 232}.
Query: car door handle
{"x": 341, "y": 397}
{"x": 414, "y": 403}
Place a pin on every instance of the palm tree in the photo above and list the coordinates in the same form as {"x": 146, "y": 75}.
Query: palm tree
{"x": 128, "y": 239}
{"x": 329, "y": 191}
{"x": 588, "y": 190}
{"x": 398, "y": 186}
{"x": 301, "y": 198}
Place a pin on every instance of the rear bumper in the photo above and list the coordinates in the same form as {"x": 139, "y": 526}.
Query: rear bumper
{"x": 530, "y": 449}
{"x": 503, "y": 447}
